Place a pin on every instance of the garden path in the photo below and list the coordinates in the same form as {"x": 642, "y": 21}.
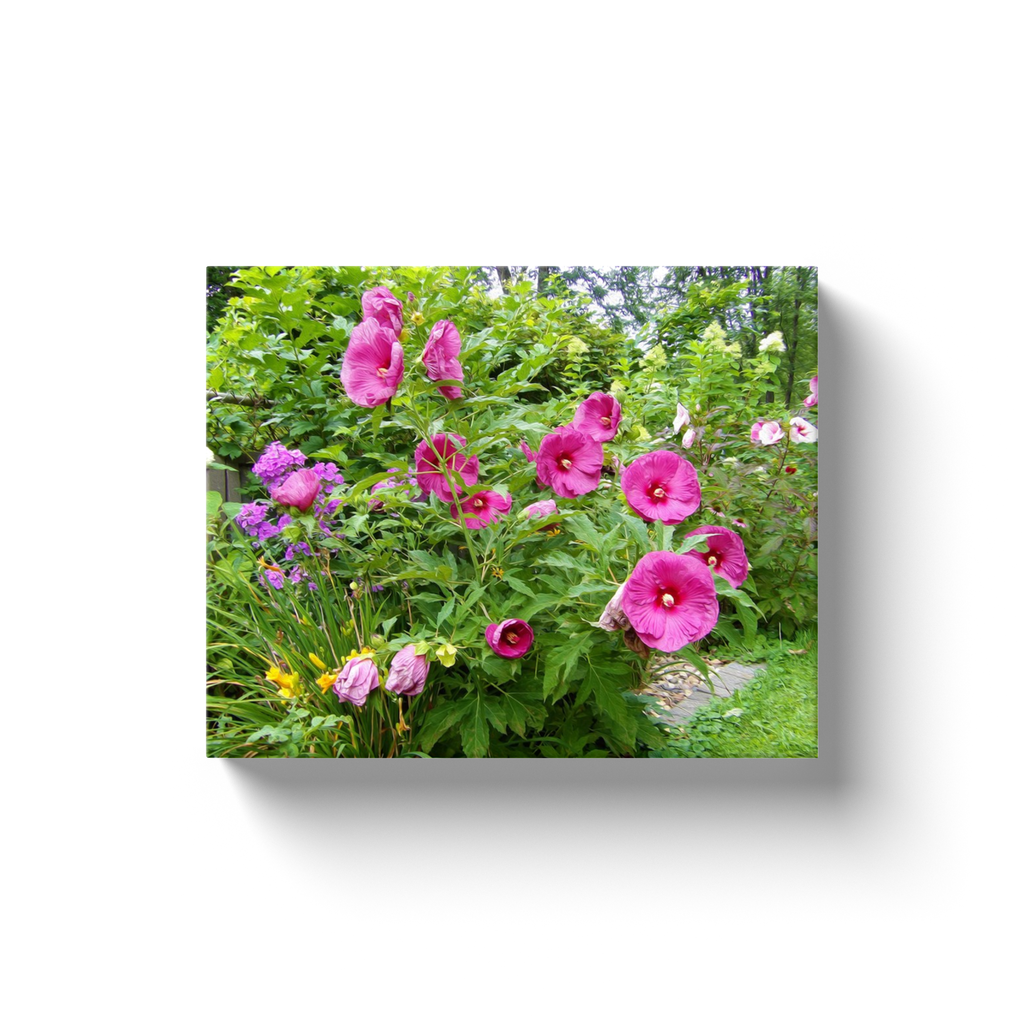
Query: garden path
{"x": 680, "y": 691}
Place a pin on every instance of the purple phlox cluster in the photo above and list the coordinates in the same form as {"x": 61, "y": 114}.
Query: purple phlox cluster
{"x": 296, "y": 574}
{"x": 301, "y": 548}
{"x": 276, "y": 463}
{"x": 274, "y": 577}
{"x": 329, "y": 474}
{"x": 253, "y": 519}
{"x": 251, "y": 516}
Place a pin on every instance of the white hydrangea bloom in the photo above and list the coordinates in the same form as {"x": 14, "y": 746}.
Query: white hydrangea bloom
{"x": 773, "y": 343}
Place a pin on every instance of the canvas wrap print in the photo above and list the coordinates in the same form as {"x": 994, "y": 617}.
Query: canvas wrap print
{"x": 512, "y": 512}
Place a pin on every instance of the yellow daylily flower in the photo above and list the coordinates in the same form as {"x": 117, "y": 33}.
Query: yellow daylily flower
{"x": 317, "y": 663}
{"x": 290, "y": 685}
{"x": 326, "y": 681}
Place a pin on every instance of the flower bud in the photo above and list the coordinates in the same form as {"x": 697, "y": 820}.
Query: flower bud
{"x": 298, "y": 489}
{"x": 408, "y": 673}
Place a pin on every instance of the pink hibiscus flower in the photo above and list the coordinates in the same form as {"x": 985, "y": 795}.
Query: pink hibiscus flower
{"x": 661, "y": 485}
{"x": 373, "y": 365}
{"x": 299, "y": 489}
{"x": 812, "y": 399}
{"x": 670, "y": 600}
{"x": 380, "y": 305}
{"x": 443, "y": 454}
{"x": 569, "y": 462}
{"x": 531, "y": 455}
{"x": 598, "y": 416}
{"x": 441, "y": 357}
{"x": 356, "y": 680}
{"x": 725, "y": 555}
{"x": 482, "y": 508}
{"x": 766, "y": 433}
{"x": 511, "y": 638}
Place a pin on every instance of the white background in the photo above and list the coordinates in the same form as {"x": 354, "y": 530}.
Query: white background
{"x": 146, "y": 883}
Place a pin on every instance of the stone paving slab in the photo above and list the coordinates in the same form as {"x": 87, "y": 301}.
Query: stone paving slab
{"x": 681, "y": 693}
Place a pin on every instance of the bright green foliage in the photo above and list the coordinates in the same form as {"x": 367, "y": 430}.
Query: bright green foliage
{"x": 529, "y": 359}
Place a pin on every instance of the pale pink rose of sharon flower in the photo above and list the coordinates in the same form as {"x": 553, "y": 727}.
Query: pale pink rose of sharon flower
{"x": 380, "y": 305}
{"x": 766, "y": 433}
{"x": 682, "y": 419}
{"x": 441, "y": 357}
{"x": 511, "y": 638}
{"x": 373, "y": 365}
{"x": 482, "y": 509}
{"x": 569, "y": 462}
{"x": 298, "y": 489}
{"x": 356, "y": 680}
{"x": 661, "y": 485}
{"x": 408, "y": 672}
{"x": 725, "y": 555}
{"x": 689, "y": 437}
{"x": 444, "y": 452}
{"x": 598, "y": 416}
{"x": 670, "y": 600}
{"x": 802, "y": 432}
{"x": 812, "y": 399}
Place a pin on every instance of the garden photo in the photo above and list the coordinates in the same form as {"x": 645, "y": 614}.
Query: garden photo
{"x": 513, "y": 511}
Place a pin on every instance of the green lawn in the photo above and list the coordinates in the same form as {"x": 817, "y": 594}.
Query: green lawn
{"x": 778, "y": 709}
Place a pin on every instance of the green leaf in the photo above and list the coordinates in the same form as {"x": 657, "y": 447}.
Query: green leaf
{"x": 516, "y": 715}
{"x": 518, "y": 586}
{"x": 495, "y": 714}
{"x": 445, "y": 612}
{"x": 440, "y": 720}
{"x": 213, "y": 502}
{"x": 581, "y": 527}
{"x": 475, "y": 731}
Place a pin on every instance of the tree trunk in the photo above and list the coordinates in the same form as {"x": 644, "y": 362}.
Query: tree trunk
{"x": 543, "y": 273}
{"x": 797, "y": 301}
{"x": 505, "y": 277}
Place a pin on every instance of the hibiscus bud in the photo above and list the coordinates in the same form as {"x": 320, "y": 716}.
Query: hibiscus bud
{"x": 298, "y": 489}
{"x": 356, "y": 680}
{"x": 613, "y": 618}
{"x": 791, "y": 469}
{"x": 408, "y": 673}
